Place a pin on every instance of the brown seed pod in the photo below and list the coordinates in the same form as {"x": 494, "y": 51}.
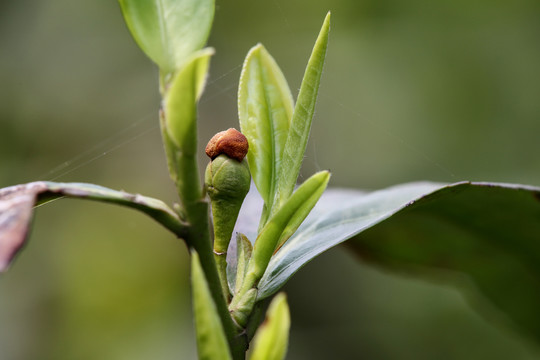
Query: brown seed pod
{"x": 230, "y": 142}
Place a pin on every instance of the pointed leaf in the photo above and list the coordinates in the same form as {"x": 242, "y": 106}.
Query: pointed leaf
{"x": 169, "y": 31}
{"x": 211, "y": 340}
{"x": 265, "y": 107}
{"x": 293, "y": 212}
{"x": 296, "y": 143}
{"x": 17, "y": 204}
{"x": 272, "y": 337}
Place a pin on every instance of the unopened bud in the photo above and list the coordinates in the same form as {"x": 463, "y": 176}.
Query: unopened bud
{"x": 227, "y": 182}
{"x": 230, "y": 142}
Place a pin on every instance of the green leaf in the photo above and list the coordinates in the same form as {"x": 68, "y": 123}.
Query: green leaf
{"x": 265, "y": 108}
{"x": 488, "y": 231}
{"x": 272, "y": 337}
{"x": 17, "y": 204}
{"x": 211, "y": 340}
{"x": 290, "y": 215}
{"x": 181, "y": 102}
{"x": 169, "y": 31}
{"x": 179, "y": 128}
{"x": 297, "y": 139}
{"x": 236, "y": 272}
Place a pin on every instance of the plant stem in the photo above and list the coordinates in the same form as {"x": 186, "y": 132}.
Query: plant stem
{"x": 221, "y": 262}
{"x": 199, "y": 239}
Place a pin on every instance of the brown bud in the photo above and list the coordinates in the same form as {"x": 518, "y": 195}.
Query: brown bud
{"x": 230, "y": 142}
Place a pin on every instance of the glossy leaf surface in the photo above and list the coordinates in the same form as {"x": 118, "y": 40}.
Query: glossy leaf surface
{"x": 265, "y": 108}
{"x": 17, "y": 205}
{"x": 211, "y": 340}
{"x": 169, "y": 31}
{"x": 296, "y": 143}
{"x": 272, "y": 337}
{"x": 489, "y": 232}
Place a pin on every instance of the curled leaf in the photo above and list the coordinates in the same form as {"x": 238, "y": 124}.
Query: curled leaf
{"x": 17, "y": 204}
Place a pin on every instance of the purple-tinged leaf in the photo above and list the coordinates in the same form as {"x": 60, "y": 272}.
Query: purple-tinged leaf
{"x": 17, "y": 205}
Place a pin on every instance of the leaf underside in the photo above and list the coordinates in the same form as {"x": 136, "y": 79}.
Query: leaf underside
{"x": 490, "y": 232}
{"x": 17, "y": 205}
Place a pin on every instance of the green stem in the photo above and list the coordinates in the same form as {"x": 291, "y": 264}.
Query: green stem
{"x": 199, "y": 238}
{"x": 221, "y": 262}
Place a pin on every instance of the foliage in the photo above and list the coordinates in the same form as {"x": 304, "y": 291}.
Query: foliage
{"x": 412, "y": 226}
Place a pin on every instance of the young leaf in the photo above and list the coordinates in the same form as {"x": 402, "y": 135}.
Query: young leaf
{"x": 243, "y": 254}
{"x": 265, "y": 107}
{"x": 17, "y": 204}
{"x": 292, "y": 212}
{"x": 181, "y": 102}
{"x": 169, "y": 31}
{"x": 297, "y": 138}
{"x": 179, "y": 127}
{"x": 211, "y": 340}
{"x": 489, "y": 231}
{"x": 272, "y": 337}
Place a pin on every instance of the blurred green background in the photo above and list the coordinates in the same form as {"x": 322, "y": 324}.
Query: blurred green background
{"x": 412, "y": 90}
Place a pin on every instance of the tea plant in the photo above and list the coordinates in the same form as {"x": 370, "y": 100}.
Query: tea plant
{"x": 275, "y": 226}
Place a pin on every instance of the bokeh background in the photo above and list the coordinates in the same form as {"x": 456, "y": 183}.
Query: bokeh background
{"x": 413, "y": 90}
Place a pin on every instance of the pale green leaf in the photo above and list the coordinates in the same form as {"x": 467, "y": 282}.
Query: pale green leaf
{"x": 169, "y": 31}
{"x": 211, "y": 340}
{"x": 265, "y": 107}
{"x": 296, "y": 143}
{"x": 272, "y": 337}
{"x": 291, "y": 214}
{"x": 243, "y": 255}
{"x": 181, "y": 102}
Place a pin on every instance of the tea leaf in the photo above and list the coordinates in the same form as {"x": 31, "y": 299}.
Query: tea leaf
{"x": 289, "y": 216}
{"x": 181, "y": 102}
{"x": 169, "y": 31}
{"x": 211, "y": 340}
{"x": 265, "y": 107}
{"x": 296, "y": 143}
{"x": 272, "y": 337}
{"x": 17, "y": 204}
{"x": 488, "y": 231}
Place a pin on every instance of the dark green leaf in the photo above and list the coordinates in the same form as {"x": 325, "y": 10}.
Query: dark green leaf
{"x": 490, "y": 232}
